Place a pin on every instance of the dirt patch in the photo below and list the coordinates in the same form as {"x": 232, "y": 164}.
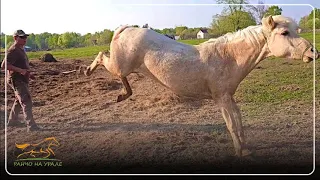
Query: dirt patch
{"x": 154, "y": 131}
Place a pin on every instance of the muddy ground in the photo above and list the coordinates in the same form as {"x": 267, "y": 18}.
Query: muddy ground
{"x": 154, "y": 131}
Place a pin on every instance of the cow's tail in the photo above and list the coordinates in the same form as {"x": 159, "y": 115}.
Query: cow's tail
{"x": 118, "y": 31}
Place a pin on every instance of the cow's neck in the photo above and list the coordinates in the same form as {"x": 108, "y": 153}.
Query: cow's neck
{"x": 245, "y": 49}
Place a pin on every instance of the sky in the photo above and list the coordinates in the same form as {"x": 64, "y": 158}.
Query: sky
{"x": 60, "y": 16}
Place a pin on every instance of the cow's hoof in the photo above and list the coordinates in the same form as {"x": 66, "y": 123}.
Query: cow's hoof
{"x": 87, "y": 72}
{"x": 120, "y": 98}
{"x": 246, "y": 152}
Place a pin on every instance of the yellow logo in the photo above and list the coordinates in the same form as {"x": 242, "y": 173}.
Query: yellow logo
{"x": 42, "y": 151}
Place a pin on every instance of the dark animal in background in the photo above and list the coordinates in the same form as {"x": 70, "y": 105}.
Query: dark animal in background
{"x": 170, "y": 36}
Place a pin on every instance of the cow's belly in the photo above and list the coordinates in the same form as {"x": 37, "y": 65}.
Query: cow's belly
{"x": 182, "y": 81}
{"x": 194, "y": 90}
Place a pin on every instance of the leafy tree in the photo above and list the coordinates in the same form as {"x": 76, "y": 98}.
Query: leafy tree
{"x": 233, "y": 9}
{"x": 317, "y": 23}
{"x": 179, "y": 29}
{"x": 158, "y": 31}
{"x": 169, "y": 31}
{"x": 303, "y": 22}
{"x": 37, "y": 41}
{"x": 273, "y": 10}
{"x": 306, "y": 22}
{"x": 223, "y": 24}
{"x": 53, "y": 41}
{"x": 86, "y": 40}
{"x": 190, "y": 33}
{"x": 317, "y": 14}
{"x": 10, "y": 41}
{"x": 68, "y": 40}
{"x": 310, "y": 23}
{"x": 105, "y": 37}
{"x": 259, "y": 11}
{"x": 3, "y": 40}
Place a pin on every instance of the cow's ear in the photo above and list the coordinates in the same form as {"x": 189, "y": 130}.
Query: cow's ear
{"x": 269, "y": 23}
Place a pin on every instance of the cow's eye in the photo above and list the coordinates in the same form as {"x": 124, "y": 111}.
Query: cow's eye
{"x": 285, "y": 33}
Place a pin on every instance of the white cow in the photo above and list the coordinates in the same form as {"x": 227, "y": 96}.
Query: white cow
{"x": 213, "y": 69}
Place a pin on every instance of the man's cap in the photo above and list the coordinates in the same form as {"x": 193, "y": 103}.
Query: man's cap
{"x": 20, "y": 33}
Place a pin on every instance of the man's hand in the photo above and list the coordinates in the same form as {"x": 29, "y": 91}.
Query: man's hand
{"x": 29, "y": 75}
{"x": 24, "y": 72}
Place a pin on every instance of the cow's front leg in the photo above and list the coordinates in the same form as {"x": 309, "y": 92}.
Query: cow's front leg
{"x": 232, "y": 117}
{"x": 127, "y": 89}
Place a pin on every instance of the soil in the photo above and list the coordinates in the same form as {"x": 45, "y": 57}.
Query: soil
{"x": 152, "y": 132}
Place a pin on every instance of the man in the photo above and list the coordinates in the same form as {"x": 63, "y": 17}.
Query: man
{"x": 18, "y": 79}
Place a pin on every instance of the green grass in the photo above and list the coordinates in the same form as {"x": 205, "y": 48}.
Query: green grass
{"x": 309, "y": 37}
{"x": 89, "y": 52}
{"x": 277, "y": 81}
{"x": 193, "y": 41}
{"x": 72, "y": 53}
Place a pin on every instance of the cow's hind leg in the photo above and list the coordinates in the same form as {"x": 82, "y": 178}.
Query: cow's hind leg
{"x": 127, "y": 89}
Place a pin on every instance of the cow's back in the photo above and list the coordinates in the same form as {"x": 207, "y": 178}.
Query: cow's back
{"x": 176, "y": 65}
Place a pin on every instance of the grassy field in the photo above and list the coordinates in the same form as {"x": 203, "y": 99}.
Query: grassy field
{"x": 193, "y": 41}
{"x": 72, "y": 53}
{"x": 278, "y": 81}
{"x": 89, "y": 52}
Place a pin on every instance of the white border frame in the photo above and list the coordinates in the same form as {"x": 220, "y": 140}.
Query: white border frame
{"x": 314, "y": 111}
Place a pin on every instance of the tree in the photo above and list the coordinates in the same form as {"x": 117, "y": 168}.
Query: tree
{"x": 317, "y": 23}
{"x": 169, "y": 31}
{"x": 273, "y": 10}
{"x": 310, "y": 23}
{"x": 233, "y": 9}
{"x": 53, "y": 41}
{"x": 259, "y": 11}
{"x": 223, "y": 24}
{"x": 86, "y": 41}
{"x": 68, "y": 40}
{"x": 317, "y": 14}
{"x": 303, "y": 22}
{"x": 306, "y": 22}
{"x": 37, "y": 41}
{"x": 31, "y": 41}
{"x": 10, "y": 41}
{"x": 190, "y": 33}
{"x": 158, "y": 31}
{"x": 105, "y": 37}
{"x": 179, "y": 29}
{"x": 317, "y": 19}
{"x": 3, "y": 40}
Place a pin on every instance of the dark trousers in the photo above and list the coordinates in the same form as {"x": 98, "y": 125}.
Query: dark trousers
{"x": 22, "y": 101}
